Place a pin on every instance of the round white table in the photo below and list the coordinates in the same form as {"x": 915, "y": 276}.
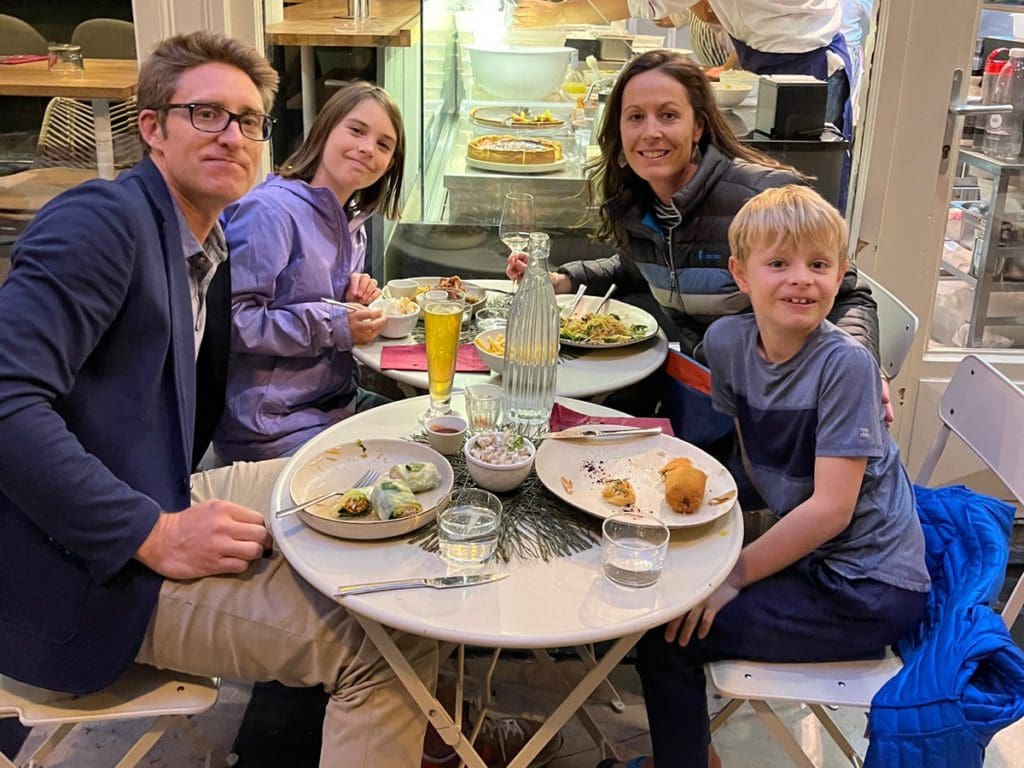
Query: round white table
{"x": 579, "y": 605}
{"x": 594, "y": 372}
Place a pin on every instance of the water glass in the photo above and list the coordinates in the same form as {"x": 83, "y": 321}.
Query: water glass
{"x": 633, "y": 548}
{"x": 483, "y": 407}
{"x": 489, "y": 318}
{"x": 442, "y": 322}
{"x": 65, "y": 60}
{"x": 467, "y": 526}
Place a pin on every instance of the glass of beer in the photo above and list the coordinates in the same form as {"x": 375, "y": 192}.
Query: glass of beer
{"x": 442, "y": 321}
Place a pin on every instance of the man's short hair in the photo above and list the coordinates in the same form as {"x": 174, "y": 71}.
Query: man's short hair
{"x": 788, "y": 217}
{"x": 159, "y": 74}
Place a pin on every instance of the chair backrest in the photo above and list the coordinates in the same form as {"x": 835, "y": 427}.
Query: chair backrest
{"x": 67, "y": 138}
{"x": 105, "y": 39}
{"x": 897, "y": 326}
{"x": 17, "y": 36}
{"x": 986, "y": 411}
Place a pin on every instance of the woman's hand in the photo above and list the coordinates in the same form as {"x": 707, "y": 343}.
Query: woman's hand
{"x": 365, "y": 324}
{"x": 515, "y": 266}
{"x": 361, "y": 288}
{"x": 702, "y": 616}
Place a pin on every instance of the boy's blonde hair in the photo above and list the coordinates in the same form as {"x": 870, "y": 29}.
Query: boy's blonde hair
{"x": 788, "y": 217}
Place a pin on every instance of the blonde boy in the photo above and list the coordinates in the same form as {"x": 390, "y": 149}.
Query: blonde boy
{"x": 841, "y": 574}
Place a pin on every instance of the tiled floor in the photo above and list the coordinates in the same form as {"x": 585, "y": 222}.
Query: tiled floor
{"x": 743, "y": 742}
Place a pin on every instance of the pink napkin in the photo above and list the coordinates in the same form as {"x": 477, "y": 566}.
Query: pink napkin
{"x": 22, "y": 58}
{"x": 413, "y": 357}
{"x": 565, "y": 418}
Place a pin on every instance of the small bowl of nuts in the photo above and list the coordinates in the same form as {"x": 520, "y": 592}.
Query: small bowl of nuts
{"x": 499, "y": 461}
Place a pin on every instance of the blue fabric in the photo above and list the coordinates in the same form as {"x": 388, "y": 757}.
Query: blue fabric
{"x": 963, "y": 676}
{"x": 97, "y": 408}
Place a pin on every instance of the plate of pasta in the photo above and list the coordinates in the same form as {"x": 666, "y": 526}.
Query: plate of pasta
{"x": 619, "y": 326}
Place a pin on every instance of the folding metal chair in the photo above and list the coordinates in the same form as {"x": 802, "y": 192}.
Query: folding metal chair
{"x": 897, "y": 326}
{"x": 986, "y": 411}
{"x": 142, "y": 692}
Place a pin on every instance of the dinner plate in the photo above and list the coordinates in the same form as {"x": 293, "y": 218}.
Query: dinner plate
{"x": 340, "y": 466}
{"x": 473, "y": 291}
{"x": 627, "y": 313}
{"x": 585, "y": 466}
{"x": 484, "y": 165}
{"x": 500, "y": 117}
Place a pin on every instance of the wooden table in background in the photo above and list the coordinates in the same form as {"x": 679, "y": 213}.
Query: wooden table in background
{"x": 328, "y": 23}
{"x": 102, "y": 81}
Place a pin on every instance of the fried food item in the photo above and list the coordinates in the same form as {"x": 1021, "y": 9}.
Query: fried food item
{"x": 619, "y": 492}
{"x": 684, "y": 485}
{"x": 567, "y": 484}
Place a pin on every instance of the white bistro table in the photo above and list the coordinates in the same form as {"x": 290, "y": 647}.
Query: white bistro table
{"x": 580, "y": 606}
{"x": 593, "y": 372}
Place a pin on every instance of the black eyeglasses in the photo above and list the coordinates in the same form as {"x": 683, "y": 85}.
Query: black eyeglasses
{"x": 211, "y": 118}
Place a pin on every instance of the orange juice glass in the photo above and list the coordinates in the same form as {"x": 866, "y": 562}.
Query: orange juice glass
{"x": 442, "y": 321}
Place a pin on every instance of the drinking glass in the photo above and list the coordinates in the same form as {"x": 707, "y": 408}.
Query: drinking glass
{"x": 633, "y": 548}
{"x": 467, "y": 526}
{"x": 65, "y": 60}
{"x": 516, "y": 221}
{"x": 442, "y": 321}
{"x": 483, "y": 407}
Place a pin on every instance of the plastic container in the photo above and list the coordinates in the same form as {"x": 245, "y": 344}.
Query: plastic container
{"x": 1003, "y": 132}
{"x": 531, "y": 345}
{"x": 993, "y": 66}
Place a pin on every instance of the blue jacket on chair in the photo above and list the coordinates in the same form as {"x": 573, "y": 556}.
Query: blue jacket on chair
{"x": 963, "y": 676}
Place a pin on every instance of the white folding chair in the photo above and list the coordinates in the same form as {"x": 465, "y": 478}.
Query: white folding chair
{"x": 986, "y": 411}
{"x": 142, "y": 692}
{"x": 897, "y": 326}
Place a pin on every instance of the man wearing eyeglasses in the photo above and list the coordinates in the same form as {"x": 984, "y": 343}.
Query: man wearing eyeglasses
{"x": 111, "y": 380}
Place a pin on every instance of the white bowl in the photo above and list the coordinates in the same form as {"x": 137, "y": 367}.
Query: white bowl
{"x": 731, "y": 94}
{"x": 741, "y": 77}
{"x": 498, "y": 477}
{"x": 495, "y": 362}
{"x": 446, "y": 442}
{"x": 395, "y": 326}
{"x": 526, "y": 73}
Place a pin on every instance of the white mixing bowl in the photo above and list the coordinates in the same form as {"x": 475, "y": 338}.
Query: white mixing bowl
{"x": 526, "y": 73}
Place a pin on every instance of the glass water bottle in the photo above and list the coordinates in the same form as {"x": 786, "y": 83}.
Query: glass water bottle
{"x": 531, "y": 345}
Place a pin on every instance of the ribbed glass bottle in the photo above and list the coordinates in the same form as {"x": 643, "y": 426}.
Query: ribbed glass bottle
{"x": 531, "y": 345}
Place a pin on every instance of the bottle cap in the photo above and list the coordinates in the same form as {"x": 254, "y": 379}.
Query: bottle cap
{"x": 994, "y": 66}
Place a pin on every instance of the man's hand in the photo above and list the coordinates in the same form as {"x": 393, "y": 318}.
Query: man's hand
{"x": 206, "y": 539}
{"x": 365, "y": 324}
{"x": 361, "y": 288}
{"x": 702, "y": 616}
{"x": 537, "y": 13}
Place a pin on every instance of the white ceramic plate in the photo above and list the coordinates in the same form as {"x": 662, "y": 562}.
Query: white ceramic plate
{"x": 588, "y": 464}
{"x": 627, "y": 313}
{"x": 501, "y": 117}
{"x": 484, "y": 165}
{"x": 472, "y": 289}
{"x": 342, "y": 465}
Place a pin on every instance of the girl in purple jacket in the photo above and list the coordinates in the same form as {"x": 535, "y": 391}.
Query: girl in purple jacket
{"x": 294, "y": 240}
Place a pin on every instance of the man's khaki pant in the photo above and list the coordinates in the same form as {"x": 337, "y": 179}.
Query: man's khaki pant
{"x": 269, "y": 624}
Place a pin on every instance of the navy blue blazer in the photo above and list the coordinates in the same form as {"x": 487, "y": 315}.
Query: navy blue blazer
{"x": 97, "y": 410}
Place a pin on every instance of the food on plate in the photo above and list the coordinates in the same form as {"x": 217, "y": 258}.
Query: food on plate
{"x": 420, "y": 475}
{"x": 523, "y": 117}
{"x": 355, "y": 502}
{"x": 454, "y": 286}
{"x": 566, "y": 483}
{"x": 493, "y": 345}
{"x": 619, "y": 492}
{"x": 517, "y": 117}
{"x": 400, "y": 306}
{"x": 500, "y": 448}
{"x": 684, "y": 485}
{"x": 514, "y": 150}
{"x": 599, "y": 329}
{"x": 394, "y": 498}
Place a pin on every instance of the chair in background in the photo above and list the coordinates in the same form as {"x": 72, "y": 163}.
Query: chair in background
{"x": 142, "y": 692}
{"x": 986, "y": 411}
{"x": 17, "y": 36}
{"x": 105, "y": 39}
{"x": 67, "y": 138}
{"x": 897, "y": 326}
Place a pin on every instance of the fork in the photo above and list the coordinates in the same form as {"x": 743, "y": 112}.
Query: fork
{"x": 367, "y": 479}
{"x": 570, "y": 309}
{"x": 604, "y": 301}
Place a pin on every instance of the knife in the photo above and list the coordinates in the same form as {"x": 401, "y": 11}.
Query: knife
{"x": 441, "y": 582}
{"x": 593, "y": 434}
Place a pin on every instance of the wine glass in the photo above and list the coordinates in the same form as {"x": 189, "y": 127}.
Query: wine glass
{"x": 516, "y": 221}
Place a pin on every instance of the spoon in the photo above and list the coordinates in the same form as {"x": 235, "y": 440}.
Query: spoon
{"x": 571, "y": 306}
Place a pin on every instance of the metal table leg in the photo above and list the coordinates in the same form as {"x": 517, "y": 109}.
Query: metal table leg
{"x": 307, "y": 58}
{"x": 104, "y": 138}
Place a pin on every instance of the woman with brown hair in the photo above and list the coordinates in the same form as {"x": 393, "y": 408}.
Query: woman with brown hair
{"x": 670, "y": 178}
{"x": 296, "y": 239}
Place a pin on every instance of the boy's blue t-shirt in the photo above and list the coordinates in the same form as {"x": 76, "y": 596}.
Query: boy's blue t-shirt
{"x": 824, "y": 401}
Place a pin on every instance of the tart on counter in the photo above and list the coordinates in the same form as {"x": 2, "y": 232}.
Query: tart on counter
{"x": 514, "y": 150}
